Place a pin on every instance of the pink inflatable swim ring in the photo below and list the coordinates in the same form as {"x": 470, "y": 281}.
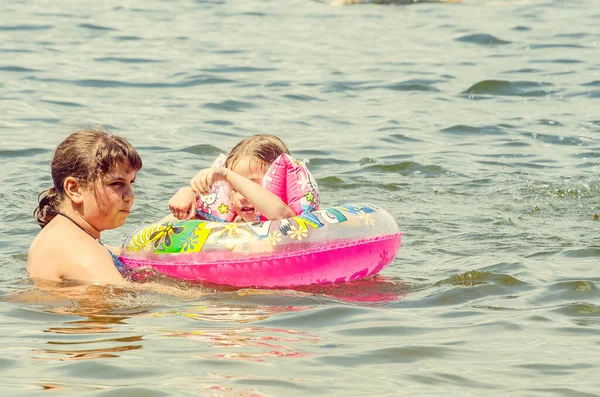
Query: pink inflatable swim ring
{"x": 336, "y": 244}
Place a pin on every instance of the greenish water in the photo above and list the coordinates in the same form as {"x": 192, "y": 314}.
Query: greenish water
{"x": 475, "y": 125}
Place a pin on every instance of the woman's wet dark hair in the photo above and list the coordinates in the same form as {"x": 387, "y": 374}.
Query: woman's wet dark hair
{"x": 85, "y": 155}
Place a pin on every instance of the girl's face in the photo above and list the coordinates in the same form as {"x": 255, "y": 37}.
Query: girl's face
{"x": 255, "y": 171}
{"x": 108, "y": 203}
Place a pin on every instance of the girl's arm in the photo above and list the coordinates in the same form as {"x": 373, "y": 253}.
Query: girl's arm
{"x": 264, "y": 201}
{"x": 183, "y": 204}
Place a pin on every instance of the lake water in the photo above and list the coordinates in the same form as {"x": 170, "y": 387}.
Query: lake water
{"x": 474, "y": 124}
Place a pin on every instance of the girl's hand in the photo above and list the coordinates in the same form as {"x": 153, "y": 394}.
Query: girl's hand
{"x": 183, "y": 204}
{"x": 203, "y": 181}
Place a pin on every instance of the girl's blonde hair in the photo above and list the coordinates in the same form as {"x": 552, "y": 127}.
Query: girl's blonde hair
{"x": 86, "y": 156}
{"x": 263, "y": 148}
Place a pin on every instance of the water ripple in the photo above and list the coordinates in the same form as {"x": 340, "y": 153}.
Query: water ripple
{"x": 18, "y": 69}
{"x": 555, "y": 370}
{"x": 524, "y": 70}
{"x": 343, "y": 86}
{"x": 483, "y": 39}
{"x": 595, "y": 83}
{"x": 554, "y": 139}
{"x": 19, "y": 153}
{"x": 476, "y": 277}
{"x": 302, "y": 98}
{"x": 63, "y": 103}
{"x": 94, "y": 83}
{"x": 127, "y": 60}
{"x": 238, "y": 69}
{"x": 231, "y": 106}
{"x": 509, "y": 88}
{"x": 202, "y": 150}
{"x": 546, "y": 46}
{"x": 397, "y": 137}
{"x": 407, "y": 168}
{"x": 25, "y": 27}
{"x": 469, "y": 130}
{"x": 94, "y": 27}
{"x": 405, "y": 354}
{"x": 128, "y": 38}
{"x": 413, "y": 85}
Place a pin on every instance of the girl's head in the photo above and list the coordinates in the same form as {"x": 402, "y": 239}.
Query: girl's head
{"x": 262, "y": 149}
{"x": 83, "y": 161}
{"x": 251, "y": 158}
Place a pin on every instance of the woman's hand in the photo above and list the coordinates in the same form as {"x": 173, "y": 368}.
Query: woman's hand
{"x": 183, "y": 204}
{"x": 203, "y": 181}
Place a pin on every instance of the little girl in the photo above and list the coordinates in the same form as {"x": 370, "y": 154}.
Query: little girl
{"x": 93, "y": 172}
{"x": 245, "y": 168}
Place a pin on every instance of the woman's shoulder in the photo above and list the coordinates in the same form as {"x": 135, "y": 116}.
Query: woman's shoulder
{"x": 63, "y": 252}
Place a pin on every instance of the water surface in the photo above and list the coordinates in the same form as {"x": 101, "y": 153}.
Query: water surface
{"x": 474, "y": 124}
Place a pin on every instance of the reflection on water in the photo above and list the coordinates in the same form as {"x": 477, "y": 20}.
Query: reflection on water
{"x": 252, "y": 343}
{"x": 376, "y": 289}
{"x": 86, "y": 354}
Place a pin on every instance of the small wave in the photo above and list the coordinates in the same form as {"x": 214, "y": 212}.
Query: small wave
{"x": 413, "y": 85}
{"x": 300, "y": 97}
{"x": 22, "y": 153}
{"x": 552, "y": 123}
{"x": 546, "y": 46}
{"x": 408, "y": 168}
{"x": 509, "y": 88}
{"x": 203, "y": 150}
{"x": 391, "y": 2}
{"x": 397, "y": 137}
{"x": 582, "y": 310}
{"x": 554, "y": 139}
{"x": 311, "y": 152}
{"x": 469, "y": 130}
{"x": 571, "y": 295}
{"x": 556, "y": 370}
{"x": 524, "y": 70}
{"x": 230, "y": 106}
{"x": 483, "y": 39}
{"x": 219, "y": 122}
{"x": 238, "y": 69}
{"x": 94, "y": 27}
{"x": 337, "y": 183}
{"x": 584, "y": 155}
{"x": 16, "y": 51}
{"x": 515, "y": 143}
{"x": 328, "y": 161}
{"x": 559, "y": 60}
{"x": 128, "y": 38}
{"x": 591, "y": 252}
{"x": 25, "y": 27}
{"x": 343, "y": 86}
{"x": 95, "y": 83}
{"x": 277, "y": 84}
{"x": 17, "y": 69}
{"x": 477, "y": 277}
{"x": 128, "y": 60}
{"x": 63, "y": 103}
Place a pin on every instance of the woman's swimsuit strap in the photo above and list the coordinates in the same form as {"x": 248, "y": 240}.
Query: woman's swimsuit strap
{"x": 118, "y": 264}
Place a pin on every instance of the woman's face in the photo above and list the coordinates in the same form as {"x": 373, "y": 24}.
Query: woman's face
{"x": 255, "y": 171}
{"x": 108, "y": 203}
